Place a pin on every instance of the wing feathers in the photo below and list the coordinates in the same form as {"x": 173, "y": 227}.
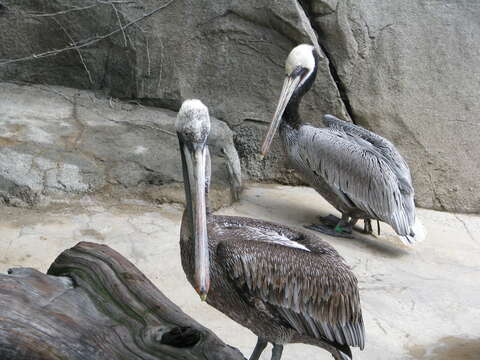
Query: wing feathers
{"x": 316, "y": 294}
{"x": 360, "y": 174}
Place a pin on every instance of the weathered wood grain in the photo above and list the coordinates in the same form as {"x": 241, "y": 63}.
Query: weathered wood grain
{"x": 94, "y": 304}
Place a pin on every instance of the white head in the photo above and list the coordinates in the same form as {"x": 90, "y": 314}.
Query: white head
{"x": 300, "y": 69}
{"x": 300, "y": 57}
{"x": 193, "y": 122}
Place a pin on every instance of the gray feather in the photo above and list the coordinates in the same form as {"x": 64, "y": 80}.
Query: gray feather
{"x": 355, "y": 168}
{"x": 387, "y": 151}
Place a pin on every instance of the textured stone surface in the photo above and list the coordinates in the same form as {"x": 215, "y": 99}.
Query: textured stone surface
{"x": 409, "y": 70}
{"x": 418, "y": 304}
{"x": 402, "y": 69}
{"x": 57, "y": 141}
{"x": 229, "y": 54}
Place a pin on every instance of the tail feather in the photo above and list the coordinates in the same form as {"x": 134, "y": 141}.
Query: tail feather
{"x": 408, "y": 239}
{"x": 338, "y": 351}
{"x": 344, "y": 355}
{"x": 417, "y": 233}
{"x": 343, "y": 352}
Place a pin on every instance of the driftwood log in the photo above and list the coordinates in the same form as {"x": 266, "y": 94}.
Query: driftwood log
{"x": 94, "y": 304}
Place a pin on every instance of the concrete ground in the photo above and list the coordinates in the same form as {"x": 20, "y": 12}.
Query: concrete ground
{"x": 419, "y": 303}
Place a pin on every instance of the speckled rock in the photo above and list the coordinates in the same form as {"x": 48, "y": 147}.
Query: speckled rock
{"x": 62, "y": 141}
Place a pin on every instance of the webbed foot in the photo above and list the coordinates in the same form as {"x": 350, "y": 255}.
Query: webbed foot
{"x": 333, "y": 226}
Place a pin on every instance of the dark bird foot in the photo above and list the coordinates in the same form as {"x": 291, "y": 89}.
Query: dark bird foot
{"x": 332, "y": 225}
{"x": 337, "y": 231}
{"x": 329, "y": 220}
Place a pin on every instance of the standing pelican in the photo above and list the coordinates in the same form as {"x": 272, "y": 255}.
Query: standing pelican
{"x": 284, "y": 285}
{"x": 359, "y": 172}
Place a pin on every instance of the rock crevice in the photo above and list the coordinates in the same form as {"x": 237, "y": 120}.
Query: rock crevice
{"x": 341, "y": 87}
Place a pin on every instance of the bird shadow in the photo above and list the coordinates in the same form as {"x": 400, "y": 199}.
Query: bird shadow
{"x": 374, "y": 244}
{"x": 298, "y": 214}
{"x": 378, "y": 246}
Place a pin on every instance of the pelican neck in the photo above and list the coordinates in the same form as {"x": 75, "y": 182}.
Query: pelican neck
{"x": 291, "y": 115}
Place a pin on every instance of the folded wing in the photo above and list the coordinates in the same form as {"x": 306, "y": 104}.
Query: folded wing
{"x": 315, "y": 293}
{"x": 382, "y": 145}
{"x": 360, "y": 174}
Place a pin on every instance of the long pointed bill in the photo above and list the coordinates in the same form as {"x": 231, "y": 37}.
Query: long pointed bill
{"x": 197, "y": 189}
{"x": 289, "y": 86}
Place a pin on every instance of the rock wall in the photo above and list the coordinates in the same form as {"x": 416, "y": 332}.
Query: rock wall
{"x": 409, "y": 70}
{"x": 56, "y": 141}
{"x": 402, "y": 69}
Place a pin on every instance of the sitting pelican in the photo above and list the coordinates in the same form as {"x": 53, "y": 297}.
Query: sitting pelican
{"x": 357, "y": 171}
{"x": 284, "y": 285}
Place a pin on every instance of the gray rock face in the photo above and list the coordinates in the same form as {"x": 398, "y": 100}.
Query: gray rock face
{"x": 229, "y": 54}
{"x": 402, "y": 69}
{"x": 57, "y": 141}
{"x": 410, "y": 74}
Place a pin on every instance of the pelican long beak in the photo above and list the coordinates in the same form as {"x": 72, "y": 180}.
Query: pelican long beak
{"x": 289, "y": 86}
{"x": 196, "y": 164}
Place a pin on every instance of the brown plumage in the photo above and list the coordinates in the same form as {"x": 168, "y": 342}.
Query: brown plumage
{"x": 285, "y": 285}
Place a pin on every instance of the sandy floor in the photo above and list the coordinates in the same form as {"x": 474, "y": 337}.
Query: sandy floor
{"x": 418, "y": 303}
